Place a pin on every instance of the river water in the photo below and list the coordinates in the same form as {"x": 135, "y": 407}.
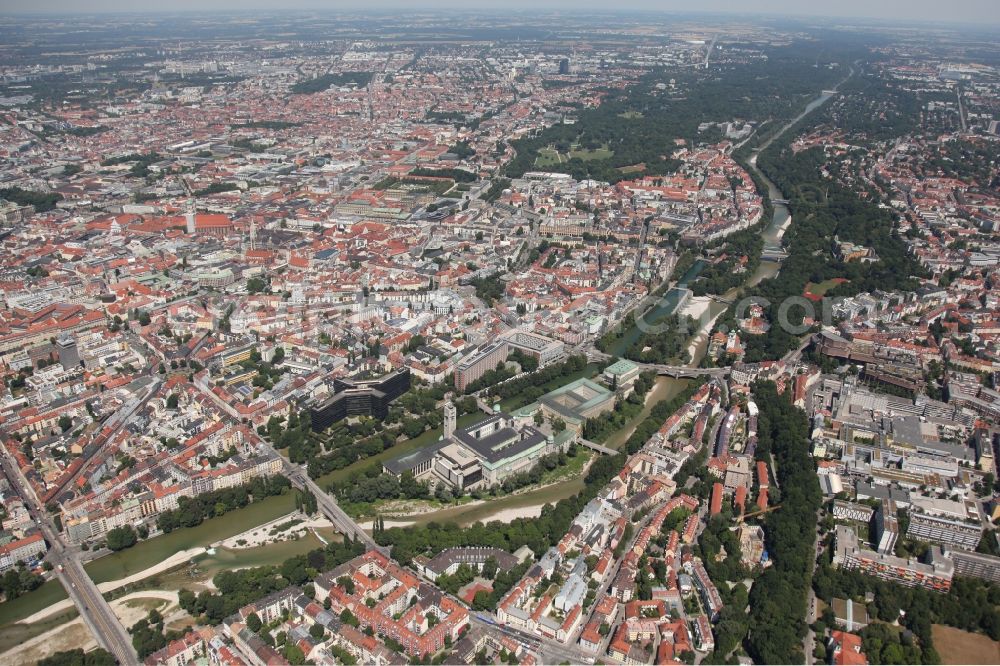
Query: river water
{"x": 661, "y": 308}
{"x": 668, "y": 387}
{"x": 665, "y": 387}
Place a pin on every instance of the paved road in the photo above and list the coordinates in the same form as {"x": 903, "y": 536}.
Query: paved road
{"x": 673, "y": 370}
{"x": 344, "y": 523}
{"x": 95, "y": 611}
{"x": 961, "y": 110}
{"x": 711, "y": 47}
{"x": 809, "y": 644}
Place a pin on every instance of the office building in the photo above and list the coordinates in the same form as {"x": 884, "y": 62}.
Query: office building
{"x": 886, "y": 527}
{"x": 484, "y": 359}
{"x": 953, "y": 524}
{"x": 359, "y": 398}
{"x": 69, "y": 355}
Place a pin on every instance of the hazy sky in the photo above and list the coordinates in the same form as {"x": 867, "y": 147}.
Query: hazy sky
{"x": 969, "y": 11}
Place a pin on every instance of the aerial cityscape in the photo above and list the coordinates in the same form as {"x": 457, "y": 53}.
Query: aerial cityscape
{"x": 484, "y": 335}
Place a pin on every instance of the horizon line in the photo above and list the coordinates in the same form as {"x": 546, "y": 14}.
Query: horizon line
{"x": 358, "y": 10}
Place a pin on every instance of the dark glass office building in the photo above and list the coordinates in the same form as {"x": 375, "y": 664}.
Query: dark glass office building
{"x": 359, "y": 398}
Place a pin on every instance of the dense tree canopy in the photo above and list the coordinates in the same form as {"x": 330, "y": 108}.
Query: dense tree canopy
{"x": 823, "y": 211}
{"x": 77, "y": 657}
{"x": 121, "y": 538}
{"x": 239, "y": 588}
{"x": 640, "y": 124}
{"x": 778, "y": 598}
{"x": 42, "y": 201}
{"x": 192, "y": 511}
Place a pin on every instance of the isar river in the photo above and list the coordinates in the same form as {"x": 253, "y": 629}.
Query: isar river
{"x": 666, "y": 387}
{"x": 505, "y": 508}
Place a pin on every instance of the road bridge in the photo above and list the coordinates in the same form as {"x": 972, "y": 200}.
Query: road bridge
{"x": 594, "y": 446}
{"x": 105, "y": 626}
{"x": 96, "y": 612}
{"x": 678, "y": 371}
{"x": 684, "y": 372}
{"x": 329, "y": 507}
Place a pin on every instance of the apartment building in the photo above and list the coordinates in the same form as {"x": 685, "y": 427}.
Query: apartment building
{"x": 93, "y": 520}
{"x": 851, "y": 511}
{"x": 970, "y": 564}
{"x": 886, "y": 527}
{"x": 29, "y": 548}
{"x": 394, "y": 604}
{"x": 935, "y": 575}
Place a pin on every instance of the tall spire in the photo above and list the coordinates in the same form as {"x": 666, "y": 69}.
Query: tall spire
{"x": 189, "y": 216}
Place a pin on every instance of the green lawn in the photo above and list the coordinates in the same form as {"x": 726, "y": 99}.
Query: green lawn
{"x": 548, "y": 157}
{"x": 633, "y": 168}
{"x": 602, "y": 153}
{"x": 630, "y": 115}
